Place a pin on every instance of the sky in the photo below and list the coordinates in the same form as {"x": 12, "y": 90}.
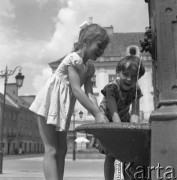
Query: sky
{"x": 34, "y": 33}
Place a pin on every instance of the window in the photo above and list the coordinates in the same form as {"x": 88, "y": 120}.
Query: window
{"x": 112, "y": 77}
{"x": 5, "y": 114}
{"x": 9, "y": 115}
{"x": 14, "y": 116}
{"x": 93, "y": 79}
{"x": 4, "y": 130}
{"x": 14, "y": 131}
{"x": 10, "y": 131}
{"x": 30, "y": 133}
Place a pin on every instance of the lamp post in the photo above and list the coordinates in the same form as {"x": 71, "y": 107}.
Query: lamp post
{"x": 74, "y": 137}
{"x": 81, "y": 116}
{"x": 19, "y": 80}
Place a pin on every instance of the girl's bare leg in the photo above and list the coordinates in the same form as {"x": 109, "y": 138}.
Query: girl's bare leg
{"x": 49, "y": 137}
{"x": 109, "y": 168}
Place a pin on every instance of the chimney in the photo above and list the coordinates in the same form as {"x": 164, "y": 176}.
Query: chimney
{"x": 109, "y": 30}
{"x": 11, "y": 88}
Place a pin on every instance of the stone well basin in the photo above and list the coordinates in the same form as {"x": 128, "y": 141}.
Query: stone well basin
{"x": 128, "y": 142}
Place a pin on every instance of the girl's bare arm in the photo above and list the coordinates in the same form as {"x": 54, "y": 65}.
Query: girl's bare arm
{"x": 89, "y": 91}
{"x": 112, "y": 106}
{"x": 81, "y": 96}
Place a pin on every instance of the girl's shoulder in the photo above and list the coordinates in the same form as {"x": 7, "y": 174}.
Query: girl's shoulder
{"x": 73, "y": 59}
{"x": 136, "y": 88}
{"x": 139, "y": 91}
{"x": 111, "y": 88}
{"x": 136, "y": 92}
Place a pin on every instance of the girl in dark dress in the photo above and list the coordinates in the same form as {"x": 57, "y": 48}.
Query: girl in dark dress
{"x": 119, "y": 95}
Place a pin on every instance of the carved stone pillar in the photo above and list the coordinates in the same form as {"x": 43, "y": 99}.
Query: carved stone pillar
{"x": 163, "y": 22}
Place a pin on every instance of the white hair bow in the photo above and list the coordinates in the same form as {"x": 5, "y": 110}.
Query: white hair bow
{"x": 86, "y": 23}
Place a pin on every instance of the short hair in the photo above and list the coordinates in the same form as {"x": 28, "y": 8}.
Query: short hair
{"x": 131, "y": 63}
{"x": 91, "y": 32}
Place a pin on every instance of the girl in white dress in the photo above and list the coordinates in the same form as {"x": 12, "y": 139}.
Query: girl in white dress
{"x": 55, "y": 102}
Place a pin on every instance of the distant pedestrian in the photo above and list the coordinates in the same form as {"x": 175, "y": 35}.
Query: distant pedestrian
{"x": 119, "y": 95}
{"x": 20, "y": 151}
{"x": 55, "y": 102}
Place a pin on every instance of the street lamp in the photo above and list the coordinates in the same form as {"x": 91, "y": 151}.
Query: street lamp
{"x": 81, "y": 114}
{"x": 19, "y": 81}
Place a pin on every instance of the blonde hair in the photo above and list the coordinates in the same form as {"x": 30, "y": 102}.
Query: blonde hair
{"x": 89, "y": 33}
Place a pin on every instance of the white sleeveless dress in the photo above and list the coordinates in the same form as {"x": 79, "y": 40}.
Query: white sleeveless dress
{"x": 56, "y": 101}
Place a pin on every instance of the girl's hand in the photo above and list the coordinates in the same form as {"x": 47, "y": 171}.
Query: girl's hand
{"x": 135, "y": 119}
{"x": 101, "y": 118}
